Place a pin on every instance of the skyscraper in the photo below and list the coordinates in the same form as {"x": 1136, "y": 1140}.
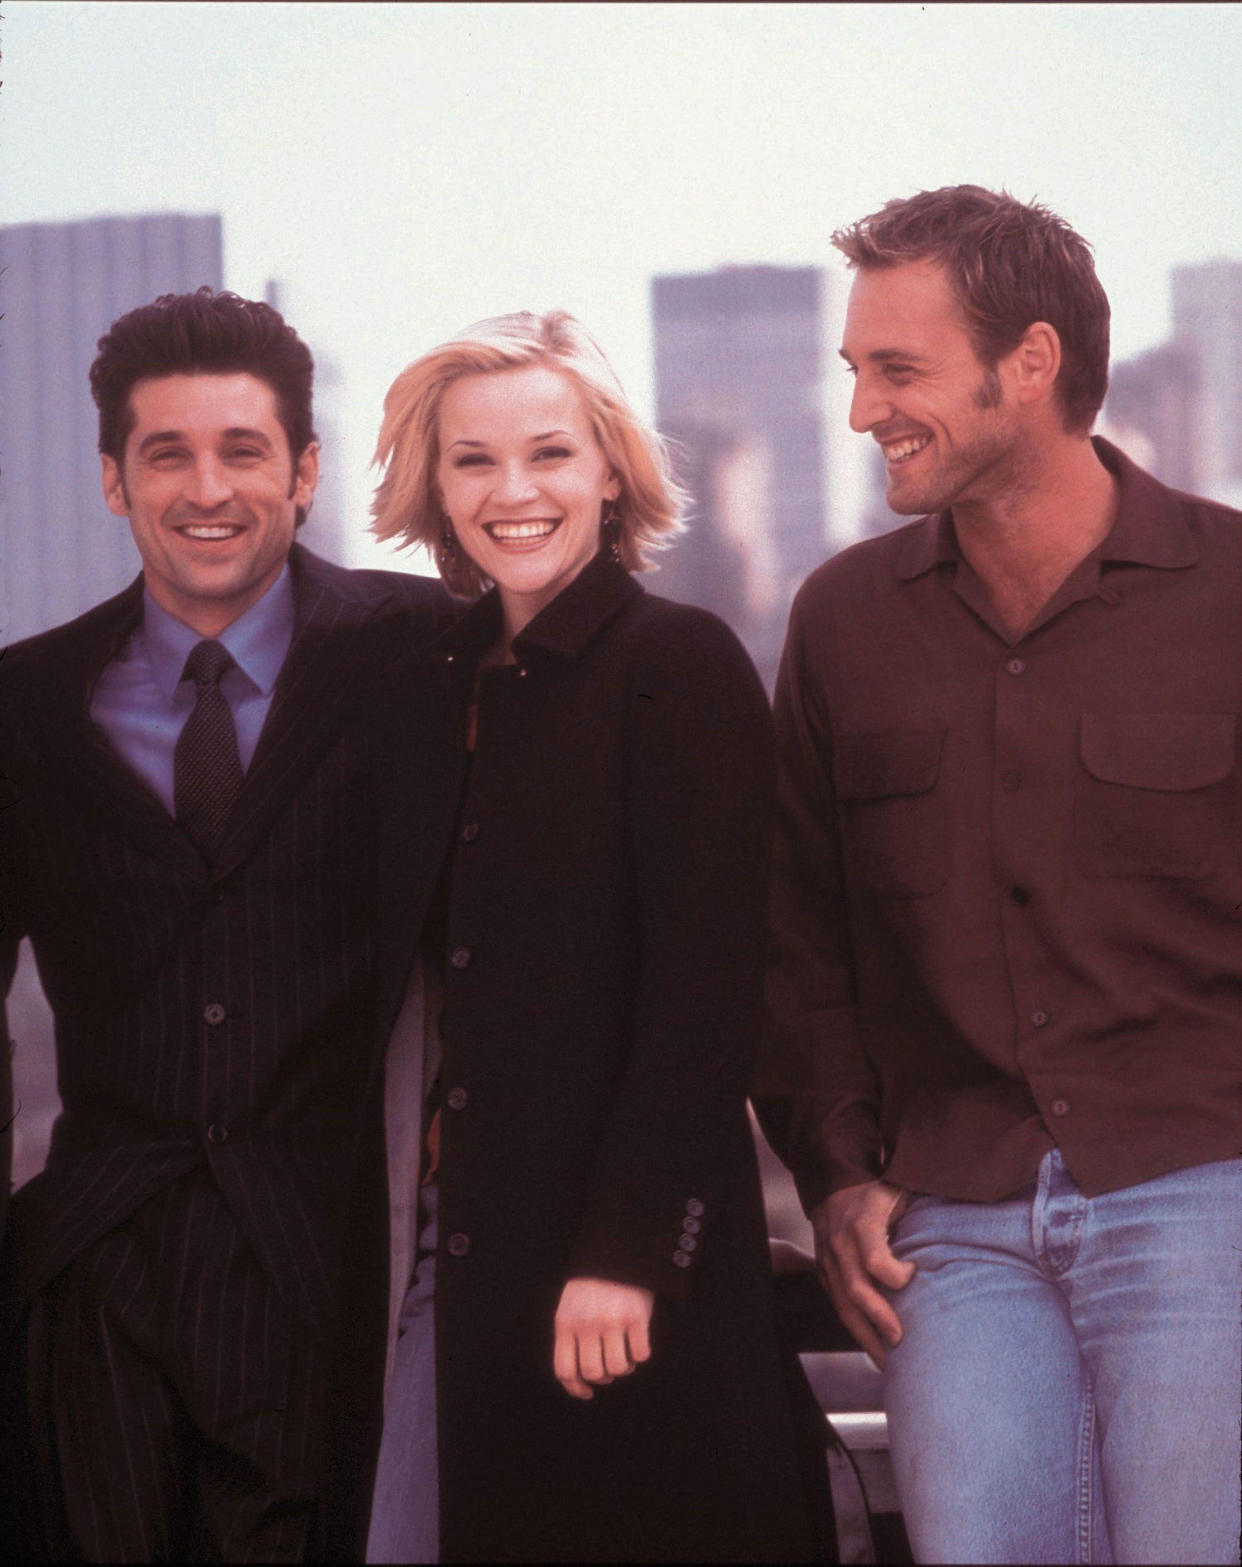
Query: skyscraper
{"x": 1207, "y": 321}
{"x": 62, "y": 286}
{"x": 739, "y": 360}
{"x": 1154, "y": 412}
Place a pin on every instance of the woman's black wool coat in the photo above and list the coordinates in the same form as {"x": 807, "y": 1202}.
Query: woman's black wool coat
{"x": 604, "y": 942}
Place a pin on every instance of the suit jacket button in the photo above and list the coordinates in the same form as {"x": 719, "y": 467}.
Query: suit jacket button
{"x": 460, "y": 957}
{"x": 218, "y": 1135}
{"x": 694, "y": 1207}
{"x": 682, "y": 1259}
{"x": 691, "y": 1226}
{"x": 687, "y": 1242}
{"x": 457, "y": 1098}
{"x": 458, "y": 1245}
{"x": 213, "y": 1013}
{"x": 470, "y": 832}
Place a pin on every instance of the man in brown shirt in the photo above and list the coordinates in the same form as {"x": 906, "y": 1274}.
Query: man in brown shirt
{"x": 1005, "y": 1053}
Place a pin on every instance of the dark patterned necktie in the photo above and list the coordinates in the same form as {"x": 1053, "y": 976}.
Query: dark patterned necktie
{"x": 206, "y": 767}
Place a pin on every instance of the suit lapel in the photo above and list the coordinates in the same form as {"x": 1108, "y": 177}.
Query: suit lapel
{"x": 84, "y": 762}
{"x": 328, "y": 667}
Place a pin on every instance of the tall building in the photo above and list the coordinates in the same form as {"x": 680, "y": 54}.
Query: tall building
{"x": 1207, "y": 321}
{"x": 1154, "y": 412}
{"x": 739, "y": 363}
{"x": 62, "y": 286}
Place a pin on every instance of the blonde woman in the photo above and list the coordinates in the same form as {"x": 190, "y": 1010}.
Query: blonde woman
{"x": 589, "y": 1306}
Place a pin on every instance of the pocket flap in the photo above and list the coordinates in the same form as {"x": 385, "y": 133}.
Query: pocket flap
{"x": 1158, "y": 750}
{"x": 891, "y": 762}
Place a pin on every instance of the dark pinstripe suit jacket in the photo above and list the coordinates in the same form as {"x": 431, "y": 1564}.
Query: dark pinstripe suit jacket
{"x": 224, "y": 1015}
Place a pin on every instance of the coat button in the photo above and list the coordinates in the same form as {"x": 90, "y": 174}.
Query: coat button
{"x": 470, "y": 832}
{"x": 213, "y": 1013}
{"x": 460, "y": 957}
{"x": 457, "y": 1099}
{"x": 691, "y": 1226}
{"x": 687, "y": 1242}
{"x": 1020, "y": 896}
{"x": 522, "y": 671}
{"x": 682, "y": 1259}
{"x": 1039, "y": 1019}
{"x": 1059, "y": 1107}
{"x": 458, "y": 1245}
{"x": 694, "y": 1207}
{"x": 218, "y": 1135}
{"x": 1011, "y": 782}
{"x": 1016, "y": 666}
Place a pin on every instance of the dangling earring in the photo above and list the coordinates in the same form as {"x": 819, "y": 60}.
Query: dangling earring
{"x": 448, "y": 544}
{"x": 611, "y": 528}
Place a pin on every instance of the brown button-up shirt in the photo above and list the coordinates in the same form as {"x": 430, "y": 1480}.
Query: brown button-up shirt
{"x": 1008, "y": 877}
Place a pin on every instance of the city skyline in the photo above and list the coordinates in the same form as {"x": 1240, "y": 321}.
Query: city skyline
{"x": 406, "y": 169}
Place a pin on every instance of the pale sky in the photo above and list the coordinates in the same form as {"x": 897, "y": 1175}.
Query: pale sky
{"x": 407, "y": 169}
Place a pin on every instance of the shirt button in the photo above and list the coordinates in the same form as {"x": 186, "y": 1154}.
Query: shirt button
{"x": 1020, "y": 896}
{"x": 457, "y": 1099}
{"x": 694, "y": 1207}
{"x": 1016, "y": 666}
{"x": 1059, "y": 1107}
{"x": 1039, "y": 1019}
{"x": 682, "y": 1259}
{"x": 214, "y": 1013}
{"x": 1010, "y": 782}
{"x": 218, "y": 1135}
{"x": 460, "y": 957}
{"x": 470, "y": 832}
{"x": 458, "y": 1245}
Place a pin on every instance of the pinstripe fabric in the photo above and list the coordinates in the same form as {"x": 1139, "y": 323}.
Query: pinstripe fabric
{"x": 214, "y": 1028}
{"x": 166, "y": 1347}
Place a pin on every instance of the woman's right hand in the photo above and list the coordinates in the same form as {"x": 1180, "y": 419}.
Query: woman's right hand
{"x": 602, "y": 1332}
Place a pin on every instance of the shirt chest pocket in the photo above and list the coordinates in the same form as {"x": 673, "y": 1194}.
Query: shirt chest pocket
{"x": 894, "y": 817}
{"x": 1152, "y": 793}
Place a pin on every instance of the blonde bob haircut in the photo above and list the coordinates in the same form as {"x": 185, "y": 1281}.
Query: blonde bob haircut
{"x": 407, "y": 503}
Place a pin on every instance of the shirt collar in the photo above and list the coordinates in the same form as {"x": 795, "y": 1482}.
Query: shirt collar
{"x": 1150, "y": 528}
{"x": 257, "y": 639}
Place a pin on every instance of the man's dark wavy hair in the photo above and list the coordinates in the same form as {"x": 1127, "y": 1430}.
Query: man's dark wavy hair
{"x": 1009, "y": 263}
{"x": 203, "y": 333}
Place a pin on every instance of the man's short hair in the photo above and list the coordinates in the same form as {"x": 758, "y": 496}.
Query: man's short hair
{"x": 203, "y": 333}
{"x": 1009, "y": 263}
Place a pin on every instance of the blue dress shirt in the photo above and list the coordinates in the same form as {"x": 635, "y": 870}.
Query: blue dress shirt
{"x": 141, "y": 702}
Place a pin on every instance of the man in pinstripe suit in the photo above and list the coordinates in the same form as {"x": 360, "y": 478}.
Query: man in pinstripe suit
{"x": 193, "y": 852}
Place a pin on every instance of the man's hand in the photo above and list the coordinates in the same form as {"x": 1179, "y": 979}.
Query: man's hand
{"x": 851, "y": 1246}
{"x": 601, "y": 1333}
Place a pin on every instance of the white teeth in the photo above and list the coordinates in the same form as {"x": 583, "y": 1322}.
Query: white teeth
{"x": 520, "y": 530}
{"x": 204, "y": 531}
{"x": 900, "y": 450}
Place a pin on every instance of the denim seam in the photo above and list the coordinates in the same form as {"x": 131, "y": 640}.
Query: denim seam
{"x": 1086, "y": 1474}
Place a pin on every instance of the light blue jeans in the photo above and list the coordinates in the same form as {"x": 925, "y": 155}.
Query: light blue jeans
{"x": 405, "y": 1506}
{"x": 1069, "y": 1383}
